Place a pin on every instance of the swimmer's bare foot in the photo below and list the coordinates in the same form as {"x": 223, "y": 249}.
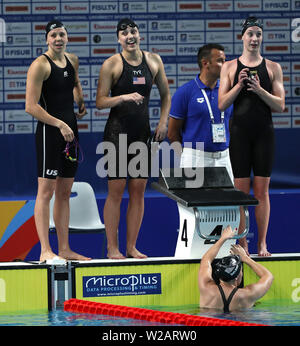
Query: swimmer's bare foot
{"x": 244, "y": 244}
{"x": 71, "y": 255}
{"x": 48, "y": 255}
{"x": 262, "y": 250}
{"x": 134, "y": 253}
{"x": 115, "y": 254}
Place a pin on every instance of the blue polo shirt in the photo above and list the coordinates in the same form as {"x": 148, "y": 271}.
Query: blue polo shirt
{"x": 188, "y": 103}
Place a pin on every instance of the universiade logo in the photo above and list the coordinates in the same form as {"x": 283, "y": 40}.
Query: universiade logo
{"x": 296, "y": 32}
{"x": 2, "y": 30}
{"x": 141, "y": 160}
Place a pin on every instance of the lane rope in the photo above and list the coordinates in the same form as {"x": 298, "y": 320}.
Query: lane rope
{"x": 84, "y": 306}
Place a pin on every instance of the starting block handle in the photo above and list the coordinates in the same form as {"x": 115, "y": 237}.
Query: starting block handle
{"x": 216, "y": 237}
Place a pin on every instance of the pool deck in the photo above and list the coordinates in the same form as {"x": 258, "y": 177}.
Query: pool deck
{"x": 164, "y": 281}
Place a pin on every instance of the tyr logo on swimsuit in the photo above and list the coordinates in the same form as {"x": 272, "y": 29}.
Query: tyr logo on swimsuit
{"x": 137, "y": 72}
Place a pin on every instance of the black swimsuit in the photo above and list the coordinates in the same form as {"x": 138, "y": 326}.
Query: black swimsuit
{"x": 128, "y": 118}
{"x": 226, "y": 302}
{"x": 252, "y": 132}
{"x": 58, "y": 100}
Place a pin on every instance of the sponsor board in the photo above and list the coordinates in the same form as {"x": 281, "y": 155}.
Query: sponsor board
{"x": 142, "y": 284}
{"x": 23, "y": 290}
{"x": 172, "y": 29}
{"x": 121, "y": 285}
{"x": 285, "y": 288}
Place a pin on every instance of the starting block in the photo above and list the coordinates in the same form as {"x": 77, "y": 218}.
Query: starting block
{"x": 204, "y": 210}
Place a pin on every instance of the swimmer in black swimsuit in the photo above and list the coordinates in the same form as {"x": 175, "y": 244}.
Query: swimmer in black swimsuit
{"x": 255, "y": 86}
{"x": 124, "y": 85}
{"x": 219, "y": 279}
{"x": 51, "y": 88}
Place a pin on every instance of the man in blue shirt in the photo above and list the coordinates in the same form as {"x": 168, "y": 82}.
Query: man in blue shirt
{"x": 195, "y": 116}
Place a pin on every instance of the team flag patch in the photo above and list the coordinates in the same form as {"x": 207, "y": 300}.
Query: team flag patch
{"x": 139, "y": 80}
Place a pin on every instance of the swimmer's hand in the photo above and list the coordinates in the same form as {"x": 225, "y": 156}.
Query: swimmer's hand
{"x": 133, "y": 97}
{"x": 254, "y": 85}
{"x": 243, "y": 77}
{"x": 81, "y": 112}
{"x": 240, "y": 251}
{"x": 66, "y": 132}
{"x": 161, "y": 132}
{"x": 228, "y": 233}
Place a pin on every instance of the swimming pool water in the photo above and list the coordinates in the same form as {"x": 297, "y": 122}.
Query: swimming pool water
{"x": 63, "y": 318}
{"x": 269, "y": 314}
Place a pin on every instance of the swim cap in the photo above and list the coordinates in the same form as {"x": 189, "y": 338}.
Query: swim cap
{"x": 251, "y": 21}
{"x": 123, "y": 23}
{"x": 54, "y": 24}
{"x": 227, "y": 268}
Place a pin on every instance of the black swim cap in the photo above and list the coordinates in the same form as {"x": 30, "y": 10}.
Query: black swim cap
{"x": 54, "y": 24}
{"x": 251, "y": 21}
{"x": 227, "y": 268}
{"x": 123, "y": 23}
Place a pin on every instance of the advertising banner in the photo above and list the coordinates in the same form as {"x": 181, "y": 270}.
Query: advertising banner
{"x": 165, "y": 283}
{"x": 23, "y": 289}
{"x": 285, "y": 288}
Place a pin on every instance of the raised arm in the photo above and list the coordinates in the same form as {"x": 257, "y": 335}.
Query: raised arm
{"x": 205, "y": 270}
{"x": 254, "y": 291}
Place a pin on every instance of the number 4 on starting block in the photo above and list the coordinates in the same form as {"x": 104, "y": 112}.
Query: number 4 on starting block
{"x": 202, "y": 227}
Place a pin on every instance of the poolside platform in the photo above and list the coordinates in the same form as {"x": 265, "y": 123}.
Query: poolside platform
{"x": 160, "y": 281}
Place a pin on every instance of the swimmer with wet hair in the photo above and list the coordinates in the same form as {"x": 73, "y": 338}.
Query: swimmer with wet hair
{"x": 219, "y": 279}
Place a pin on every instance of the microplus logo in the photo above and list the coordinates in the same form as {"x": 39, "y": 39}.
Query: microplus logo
{"x": 121, "y": 285}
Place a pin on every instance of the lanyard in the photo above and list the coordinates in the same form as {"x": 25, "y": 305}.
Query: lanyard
{"x": 209, "y": 106}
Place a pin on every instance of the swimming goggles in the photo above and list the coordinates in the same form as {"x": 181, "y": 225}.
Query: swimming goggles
{"x": 125, "y": 25}
{"x": 73, "y": 144}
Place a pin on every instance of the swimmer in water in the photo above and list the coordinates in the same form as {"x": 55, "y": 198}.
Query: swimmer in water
{"x": 219, "y": 279}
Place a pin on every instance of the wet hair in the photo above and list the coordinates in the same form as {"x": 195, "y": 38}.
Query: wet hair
{"x": 124, "y": 23}
{"x": 205, "y": 51}
{"x": 53, "y": 24}
{"x": 251, "y": 21}
{"x": 226, "y": 268}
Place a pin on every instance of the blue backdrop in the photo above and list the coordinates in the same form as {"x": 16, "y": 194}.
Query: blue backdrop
{"x": 19, "y": 177}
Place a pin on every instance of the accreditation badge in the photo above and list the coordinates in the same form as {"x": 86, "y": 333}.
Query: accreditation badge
{"x": 218, "y": 133}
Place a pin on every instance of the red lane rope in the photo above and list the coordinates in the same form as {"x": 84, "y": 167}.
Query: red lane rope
{"x": 84, "y": 306}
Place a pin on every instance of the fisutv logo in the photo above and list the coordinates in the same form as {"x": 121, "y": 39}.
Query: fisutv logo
{"x": 121, "y": 285}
